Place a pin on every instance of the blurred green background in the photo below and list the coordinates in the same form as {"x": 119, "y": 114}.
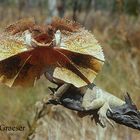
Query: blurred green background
{"x": 116, "y": 25}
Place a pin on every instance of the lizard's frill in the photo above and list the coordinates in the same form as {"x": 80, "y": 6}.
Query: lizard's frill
{"x": 89, "y": 59}
{"x": 26, "y": 49}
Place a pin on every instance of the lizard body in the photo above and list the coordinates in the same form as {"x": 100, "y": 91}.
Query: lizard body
{"x": 93, "y": 98}
{"x": 99, "y": 104}
{"x": 96, "y": 98}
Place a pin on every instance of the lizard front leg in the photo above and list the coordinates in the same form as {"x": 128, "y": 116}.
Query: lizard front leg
{"x": 60, "y": 91}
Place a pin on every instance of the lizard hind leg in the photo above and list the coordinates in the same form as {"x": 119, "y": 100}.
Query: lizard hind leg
{"x": 102, "y": 115}
{"x": 91, "y": 102}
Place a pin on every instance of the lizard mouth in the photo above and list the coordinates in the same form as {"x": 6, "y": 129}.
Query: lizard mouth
{"x": 127, "y": 114}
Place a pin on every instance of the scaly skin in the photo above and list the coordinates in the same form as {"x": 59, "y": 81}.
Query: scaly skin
{"x": 93, "y": 98}
{"x": 96, "y": 98}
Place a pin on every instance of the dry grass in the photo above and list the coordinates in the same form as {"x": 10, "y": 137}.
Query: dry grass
{"x": 119, "y": 37}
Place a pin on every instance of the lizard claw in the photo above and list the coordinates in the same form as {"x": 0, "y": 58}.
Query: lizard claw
{"x": 54, "y": 100}
{"x": 103, "y": 117}
{"x": 53, "y": 90}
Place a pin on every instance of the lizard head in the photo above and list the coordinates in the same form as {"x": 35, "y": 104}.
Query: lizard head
{"x": 127, "y": 114}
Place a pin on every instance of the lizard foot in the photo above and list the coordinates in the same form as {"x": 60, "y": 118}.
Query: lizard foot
{"x": 58, "y": 92}
{"x": 54, "y": 99}
{"x": 53, "y": 90}
{"x": 103, "y": 117}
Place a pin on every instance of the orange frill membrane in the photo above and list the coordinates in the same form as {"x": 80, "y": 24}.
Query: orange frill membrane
{"x": 27, "y": 50}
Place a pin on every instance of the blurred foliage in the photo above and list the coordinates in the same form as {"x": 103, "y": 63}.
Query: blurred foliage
{"x": 116, "y": 25}
{"x": 129, "y": 6}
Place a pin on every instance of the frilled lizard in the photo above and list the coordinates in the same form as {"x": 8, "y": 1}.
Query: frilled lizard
{"x": 65, "y": 52}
